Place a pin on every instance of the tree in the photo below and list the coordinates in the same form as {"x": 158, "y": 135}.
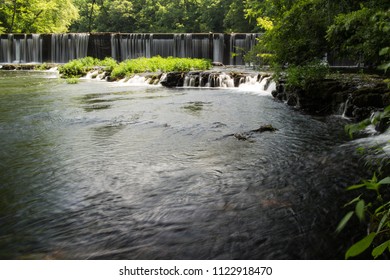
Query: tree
{"x": 37, "y": 16}
{"x": 362, "y": 35}
{"x": 294, "y": 30}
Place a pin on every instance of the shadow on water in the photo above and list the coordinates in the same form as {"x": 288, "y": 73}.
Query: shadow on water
{"x": 154, "y": 178}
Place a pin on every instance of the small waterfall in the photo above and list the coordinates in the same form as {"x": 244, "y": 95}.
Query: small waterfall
{"x": 258, "y": 83}
{"x": 244, "y": 82}
{"x": 65, "y": 47}
{"x": 346, "y": 107}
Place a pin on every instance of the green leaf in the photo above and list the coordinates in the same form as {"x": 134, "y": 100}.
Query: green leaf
{"x": 354, "y": 187}
{"x": 380, "y": 249}
{"x": 360, "y": 246}
{"x": 384, "y": 51}
{"x": 383, "y": 220}
{"x": 385, "y": 181}
{"x": 359, "y": 210}
{"x": 356, "y": 199}
{"x": 344, "y": 221}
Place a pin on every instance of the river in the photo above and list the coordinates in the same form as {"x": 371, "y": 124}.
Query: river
{"x": 101, "y": 170}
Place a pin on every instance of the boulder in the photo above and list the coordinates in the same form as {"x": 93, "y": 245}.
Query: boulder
{"x": 173, "y": 79}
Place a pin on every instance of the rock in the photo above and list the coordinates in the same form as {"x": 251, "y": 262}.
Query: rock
{"x": 383, "y": 125}
{"x": 264, "y": 128}
{"x": 173, "y": 79}
{"x": 360, "y": 98}
{"x": 246, "y": 136}
{"x": 240, "y": 136}
{"x": 215, "y": 63}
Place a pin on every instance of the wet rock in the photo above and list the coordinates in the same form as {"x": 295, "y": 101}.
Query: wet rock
{"x": 216, "y": 63}
{"x": 264, "y": 128}
{"x": 246, "y": 136}
{"x": 173, "y": 79}
{"x": 358, "y": 98}
{"x": 240, "y": 136}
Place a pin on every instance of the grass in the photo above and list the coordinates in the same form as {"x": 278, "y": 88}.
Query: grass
{"x": 80, "y": 67}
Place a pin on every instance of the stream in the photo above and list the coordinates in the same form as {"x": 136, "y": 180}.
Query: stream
{"x": 101, "y": 170}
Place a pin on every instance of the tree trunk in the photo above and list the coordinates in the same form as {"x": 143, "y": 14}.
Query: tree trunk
{"x": 90, "y": 17}
{"x": 13, "y": 17}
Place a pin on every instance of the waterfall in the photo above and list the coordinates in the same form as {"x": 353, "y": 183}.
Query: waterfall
{"x": 65, "y": 47}
{"x": 218, "y": 47}
{"x": 253, "y": 82}
{"x": 240, "y": 44}
{"x": 61, "y": 48}
{"x": 21, "y": 48}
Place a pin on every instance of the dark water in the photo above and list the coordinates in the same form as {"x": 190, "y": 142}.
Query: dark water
{"x": 100, "y": 170}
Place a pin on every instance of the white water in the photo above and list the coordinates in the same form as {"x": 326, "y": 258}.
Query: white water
{"x": 251, "y": 83}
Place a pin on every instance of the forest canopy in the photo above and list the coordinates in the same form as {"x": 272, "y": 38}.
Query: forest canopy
{"x": 295, "y": 31}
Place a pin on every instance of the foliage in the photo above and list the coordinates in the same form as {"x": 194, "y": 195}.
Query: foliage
{"x": 80, "y": 67}
{"x": 378, "y": 117}
{"x": 294, "y": 30}
{"x": 157, "y": 16}
{"x": 72, "y": 81}
{"x": 36, "y": 16}
{"x": 372, "y": 205}
{"x": 362, "y": 35}
{"x": 297, "y": 32}
{"x": 378, "y": 214}
{"x": 302, "y": 76}
{"x": 154, "y": 64}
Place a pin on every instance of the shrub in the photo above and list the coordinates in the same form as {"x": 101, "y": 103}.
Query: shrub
{"x": 302, "y": 76}
{"x": 157, "y": 63}
{"x": 79, "y": 67}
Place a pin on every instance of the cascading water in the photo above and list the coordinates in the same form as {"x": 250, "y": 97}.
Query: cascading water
{"x": 209, "y": 46}
{"x": 218, "y": 47}
{"x": 21, "y": 48}
{"x": 65, "y": 47}
{"x": 239, "y": 45}
{"x": 61, "y": 48}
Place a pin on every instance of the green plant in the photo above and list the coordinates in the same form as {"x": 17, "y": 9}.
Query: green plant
{"x": 72, "y": 81}
{"x": 301, "y": 76}
{"x": 157, "y": 63}
{"x": 378, "y": 214}
{"x": 79, "y": 67}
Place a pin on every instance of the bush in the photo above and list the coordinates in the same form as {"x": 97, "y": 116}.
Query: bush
{"x": 303, "y": 76}
{"x": 79, "y": 67}
{"x": 157, "y": 63}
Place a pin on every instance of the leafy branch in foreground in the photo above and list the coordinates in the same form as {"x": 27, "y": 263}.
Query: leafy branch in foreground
{"x": 372, "y": 205}
{"x": 378, "y": 214}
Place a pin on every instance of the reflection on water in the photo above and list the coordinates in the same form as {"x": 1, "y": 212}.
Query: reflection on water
{"x": 96, "y": 170}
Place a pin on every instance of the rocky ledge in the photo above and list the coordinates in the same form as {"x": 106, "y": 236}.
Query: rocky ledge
{"x": 354, "y": 96}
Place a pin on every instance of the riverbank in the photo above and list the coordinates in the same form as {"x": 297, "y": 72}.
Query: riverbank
{"x": 354, "y": 96}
